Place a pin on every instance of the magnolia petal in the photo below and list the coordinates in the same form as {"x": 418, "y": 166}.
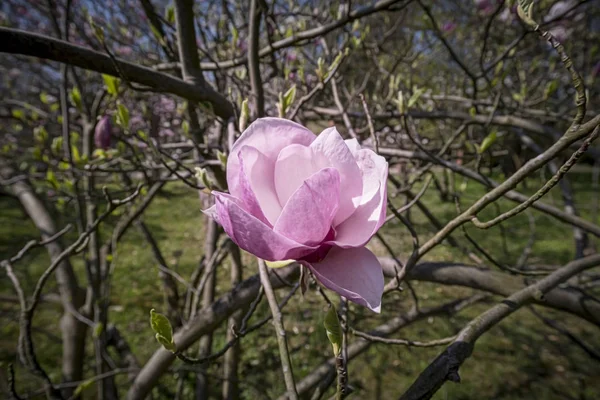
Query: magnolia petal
{"x": 369, "y": 216}
{"x": 253, "y": 235}
{"x": 374, "y": 171}
{"x": 307, "y": 216}
{"x": 212, "y": 213}
{"x": 353, "y": 145}
{"x": 354, "y": 273}
{"x": 357, "y": 230}
{"x": 257, "y": 184}
{"x": 294, "y": 165}
{"x": 332, "y": 145}
{"x": 269, "y": 135}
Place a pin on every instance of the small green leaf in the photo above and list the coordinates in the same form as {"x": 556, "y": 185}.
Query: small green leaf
{"x": 19, "y": 114}
{"x": 170, "y": 14}
{"x": 99, "y": 154}
{"x": 320, "y": 71}
{"x": 165, "y": 343}
{"x": 123, "y": 115}
{"x": 336, "y": 61}
{"x": 98, "y": 329}
{"x": 281, "y": 106}
{"x": 498, "y": 68}
{"x": 44, "y": 98}
{"x": 289, "y": 32}
{"x": 202, "y": 177}
{"x": 235, "y": 35}
{"x": 74, "y": 137}
{"x": 222, "y": 157}
{"x": 98, "y": 31}
{"x": 241, "y": 73}
{"x": 75, "y": 97}
{"x": 111, "y": 83}
{"x": 334, "y": 330}
{"x": 40, "y": 134}
{"x": 472, "y": 112}
{"x": 51, "y": 178}
{"x": 244, "y": 115}
{"x": 415, "y": 97}
{"x": 278, "y": 264}
{"x": 157, "y": 34}
{"x": 525, "y": 12}
{"x": 185, "y": 127}
{"x": 487, "y": 142}
{"x": 56, "y": 145}
{"x": 550, "y": 88}
{"x": 82, "y": 387}
{"x": 163, "y": 329}
{"x": 75, "y": 154}
{"x": 289, "y": 97}
{"x": 400, "y": 103}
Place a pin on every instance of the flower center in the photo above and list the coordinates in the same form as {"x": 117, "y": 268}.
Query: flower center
{"x": 320, "y": 253}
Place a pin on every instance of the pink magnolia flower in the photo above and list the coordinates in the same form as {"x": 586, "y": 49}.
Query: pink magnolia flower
{"x": 314, "y": 199}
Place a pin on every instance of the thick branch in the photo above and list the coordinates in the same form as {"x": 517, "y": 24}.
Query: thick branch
{"x": 445, "y": 366}
{"x": 258, "y": 95}
{"x": 30, "y": 44}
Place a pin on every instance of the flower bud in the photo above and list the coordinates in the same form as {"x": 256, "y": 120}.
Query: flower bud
{"x": 103, "y": 133}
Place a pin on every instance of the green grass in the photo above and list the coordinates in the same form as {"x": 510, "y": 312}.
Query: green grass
{"x": 520, "y": 358}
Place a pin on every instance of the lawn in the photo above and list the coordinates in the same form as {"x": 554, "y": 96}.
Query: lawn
{"x": 520, "y": 358}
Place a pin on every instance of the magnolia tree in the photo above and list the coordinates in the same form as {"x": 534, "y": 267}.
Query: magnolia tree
{"x": 303, "y": 129}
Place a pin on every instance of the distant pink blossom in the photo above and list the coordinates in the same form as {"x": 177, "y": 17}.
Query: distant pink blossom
{"x": 103, "y": 133}
{"x": 136, "y": 122}
{"x": 166, "y": 133}
{"x": 559, "y": 9}
{"x": 596, "y": 70}
{"x": 124, "y": 50}
{"x": 486, "y": 6}
{"x": 448, "y": 26}
{"x": 560, "y": 32}
{"x": 242, "y": 45}
{"x": 314, "y": 199}
{"x": 166, "y": 104}
{"x": 291, "y": 56}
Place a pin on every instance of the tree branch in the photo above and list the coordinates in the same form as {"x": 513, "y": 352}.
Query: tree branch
{"x": 16, "y": 41}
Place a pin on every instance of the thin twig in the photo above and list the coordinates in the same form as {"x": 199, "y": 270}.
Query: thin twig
{"x": 37, "y": 243}
{"x": 370, "y": 123}
{"x": 545, "y": 189}
{"x": 286, "y": 362}
{"x": 403, "y": 342}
